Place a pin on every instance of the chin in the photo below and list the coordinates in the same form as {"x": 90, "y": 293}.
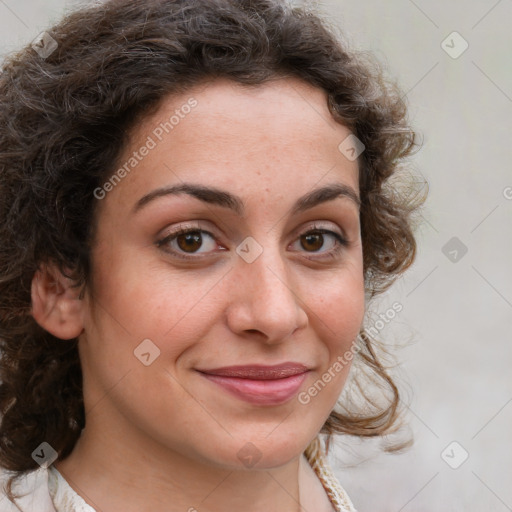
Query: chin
{"x": 261, "y": 451}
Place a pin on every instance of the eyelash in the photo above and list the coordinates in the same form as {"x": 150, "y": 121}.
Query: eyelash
{"x": 341, "y": 243}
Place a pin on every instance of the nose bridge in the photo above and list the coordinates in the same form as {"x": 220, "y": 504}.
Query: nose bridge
{"x": 266, "y": 298}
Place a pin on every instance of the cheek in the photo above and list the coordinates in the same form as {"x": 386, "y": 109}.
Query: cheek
{"x": 339, "y": 323}
{"x": 338, "y": 305}
{"x": 134, "y": 302}
{"x": 144, "y": 297}
{"x": 337, "y": 311}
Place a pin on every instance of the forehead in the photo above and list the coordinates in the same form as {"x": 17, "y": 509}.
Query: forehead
{"x": 278, "y": 136}
{"x": 287, "y": 106}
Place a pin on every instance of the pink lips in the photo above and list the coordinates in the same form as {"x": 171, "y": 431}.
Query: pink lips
{"x": 261, "y": 385}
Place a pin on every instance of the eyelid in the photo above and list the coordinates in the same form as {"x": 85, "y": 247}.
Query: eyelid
{"x": 190, "y": 225}
{"x": 325, "y": 226}
{"x": 341, "y": 243}
{"x": 317, "y": 227}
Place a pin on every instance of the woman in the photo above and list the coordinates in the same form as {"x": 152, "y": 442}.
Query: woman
{"x": 195, "y": 212}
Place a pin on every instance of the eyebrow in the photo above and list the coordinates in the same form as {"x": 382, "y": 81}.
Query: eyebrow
{"x": 228, "y": 200}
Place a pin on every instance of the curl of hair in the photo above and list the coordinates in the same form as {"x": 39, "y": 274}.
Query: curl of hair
{"x": 64, "y": 120}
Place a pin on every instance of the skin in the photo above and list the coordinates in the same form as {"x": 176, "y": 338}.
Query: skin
{"x": 163, "y": 436}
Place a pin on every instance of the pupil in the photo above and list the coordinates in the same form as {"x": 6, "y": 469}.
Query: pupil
{"x": 315, "y": 241}
{"x": 189, "y": 242}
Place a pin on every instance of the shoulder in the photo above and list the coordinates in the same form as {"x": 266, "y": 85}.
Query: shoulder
{"x": 31, "y": 490}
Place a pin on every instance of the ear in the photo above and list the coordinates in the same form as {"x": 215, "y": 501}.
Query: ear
{"x": 56, "y": 304}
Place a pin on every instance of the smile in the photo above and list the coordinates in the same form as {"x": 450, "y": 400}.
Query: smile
{"x": 260, "y": 385}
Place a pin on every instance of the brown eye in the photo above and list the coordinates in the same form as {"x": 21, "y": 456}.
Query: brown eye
{"x": 323, "y": 243}
{"x": 196, "y": 242}
{"x": 312, "y": 241}
{"x": 190, "y": 242}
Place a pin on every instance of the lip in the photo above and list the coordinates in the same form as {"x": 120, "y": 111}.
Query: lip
{"x": 259, "y": 384}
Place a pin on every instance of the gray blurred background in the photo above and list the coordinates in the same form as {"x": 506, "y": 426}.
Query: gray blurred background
{"x": 453, "y": 337}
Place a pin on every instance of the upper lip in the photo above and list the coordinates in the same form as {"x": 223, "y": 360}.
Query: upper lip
{"x": 259, "y": 372}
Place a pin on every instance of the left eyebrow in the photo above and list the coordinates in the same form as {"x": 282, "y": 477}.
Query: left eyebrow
{"x": 323, "y": 195}
{"x": 226, "y": 199}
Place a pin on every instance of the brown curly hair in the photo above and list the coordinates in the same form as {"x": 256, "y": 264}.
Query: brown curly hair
{"x": 64, "y": 120}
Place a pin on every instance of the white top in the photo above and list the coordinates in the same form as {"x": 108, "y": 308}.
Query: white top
{"x": 46, "y": 490}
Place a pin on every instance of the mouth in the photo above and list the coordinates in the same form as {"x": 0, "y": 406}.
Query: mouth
{"x": 258, "y": 384}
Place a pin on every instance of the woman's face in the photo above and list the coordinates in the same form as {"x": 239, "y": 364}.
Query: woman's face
{"x": 209, "y": 344}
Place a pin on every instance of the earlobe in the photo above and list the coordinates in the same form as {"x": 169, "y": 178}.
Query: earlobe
{"x": 56, "y": 303}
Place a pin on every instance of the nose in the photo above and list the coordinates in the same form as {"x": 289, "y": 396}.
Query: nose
{"x": 265, "y": 300}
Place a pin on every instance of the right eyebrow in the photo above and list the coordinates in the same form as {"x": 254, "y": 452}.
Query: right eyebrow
{"x": 206, "y": 194}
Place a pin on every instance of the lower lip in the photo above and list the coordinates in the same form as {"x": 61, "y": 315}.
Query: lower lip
{"x": 260, "y": 392}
